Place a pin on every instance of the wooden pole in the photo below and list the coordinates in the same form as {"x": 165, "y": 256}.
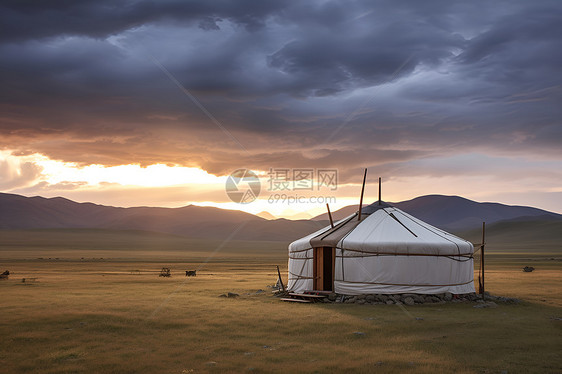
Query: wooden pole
{"x": 280, "y": 280}
{"x": 380, "y": 199}
{"x": 330, "y": 215}
{"x": 482, "y": 256}
{"x": 362, "y": 191}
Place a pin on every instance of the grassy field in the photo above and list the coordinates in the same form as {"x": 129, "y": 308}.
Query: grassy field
{"x": 85, "y": 314}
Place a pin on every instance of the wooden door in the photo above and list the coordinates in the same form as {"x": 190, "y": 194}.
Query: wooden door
{"x": 324, "y": 259}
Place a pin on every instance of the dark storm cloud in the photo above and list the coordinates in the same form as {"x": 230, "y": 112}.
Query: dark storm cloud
{"x": 313, "y": 84}
{"x": 23, "y": 20}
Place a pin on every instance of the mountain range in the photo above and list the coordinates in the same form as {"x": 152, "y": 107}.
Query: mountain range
{"x": 20, "y": 212}
{"x": 451, "y": 213}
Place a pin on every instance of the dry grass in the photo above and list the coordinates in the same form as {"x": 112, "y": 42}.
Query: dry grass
{"x": 104, "y": 317}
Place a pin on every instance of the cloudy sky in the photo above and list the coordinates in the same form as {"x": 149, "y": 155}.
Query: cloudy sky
{"x": 157, "y": 102}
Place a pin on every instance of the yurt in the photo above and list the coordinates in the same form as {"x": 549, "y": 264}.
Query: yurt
{"x": 381, "y": 250}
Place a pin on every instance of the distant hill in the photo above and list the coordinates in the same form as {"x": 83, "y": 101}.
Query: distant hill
{"x": 266, "y": 215}
{"x": 453, "y": 212}
{"x": 528, "y": 234}
{"x": 301, "y": 216}
{"x": 19, "y": 212}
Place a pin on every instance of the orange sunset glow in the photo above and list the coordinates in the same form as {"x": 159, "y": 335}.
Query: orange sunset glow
{"x": 172, "y": 185}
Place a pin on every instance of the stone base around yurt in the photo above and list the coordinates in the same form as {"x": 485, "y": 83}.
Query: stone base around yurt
{"x": 404, "y": 299}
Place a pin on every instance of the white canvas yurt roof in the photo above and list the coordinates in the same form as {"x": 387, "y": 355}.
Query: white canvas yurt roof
{"x": 388, "y": 251}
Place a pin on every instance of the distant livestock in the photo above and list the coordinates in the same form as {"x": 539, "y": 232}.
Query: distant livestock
{"x": 190, "y": 273}
{"x": 5, "y": 275}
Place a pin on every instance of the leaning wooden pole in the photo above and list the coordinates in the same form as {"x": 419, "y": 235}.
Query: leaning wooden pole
{"x": 482, "y": 289}
{"x": 280, "y": 280}
{"x": 380, "y": 195}
{"x": 330, "y": 215}
{"x": 362, "y": 192}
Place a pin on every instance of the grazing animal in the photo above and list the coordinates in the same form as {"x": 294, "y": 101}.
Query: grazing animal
{"x": 528, "y": 269}
{"x": 191, "y": 273}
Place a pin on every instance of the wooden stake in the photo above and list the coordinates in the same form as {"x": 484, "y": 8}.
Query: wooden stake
{"x": 330, "y": 215}
{"x": 380, "y": 191}
{"x": 482, "y": 289}
{"x": 362, "y": 191}
{"x": 280, "y": 280}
